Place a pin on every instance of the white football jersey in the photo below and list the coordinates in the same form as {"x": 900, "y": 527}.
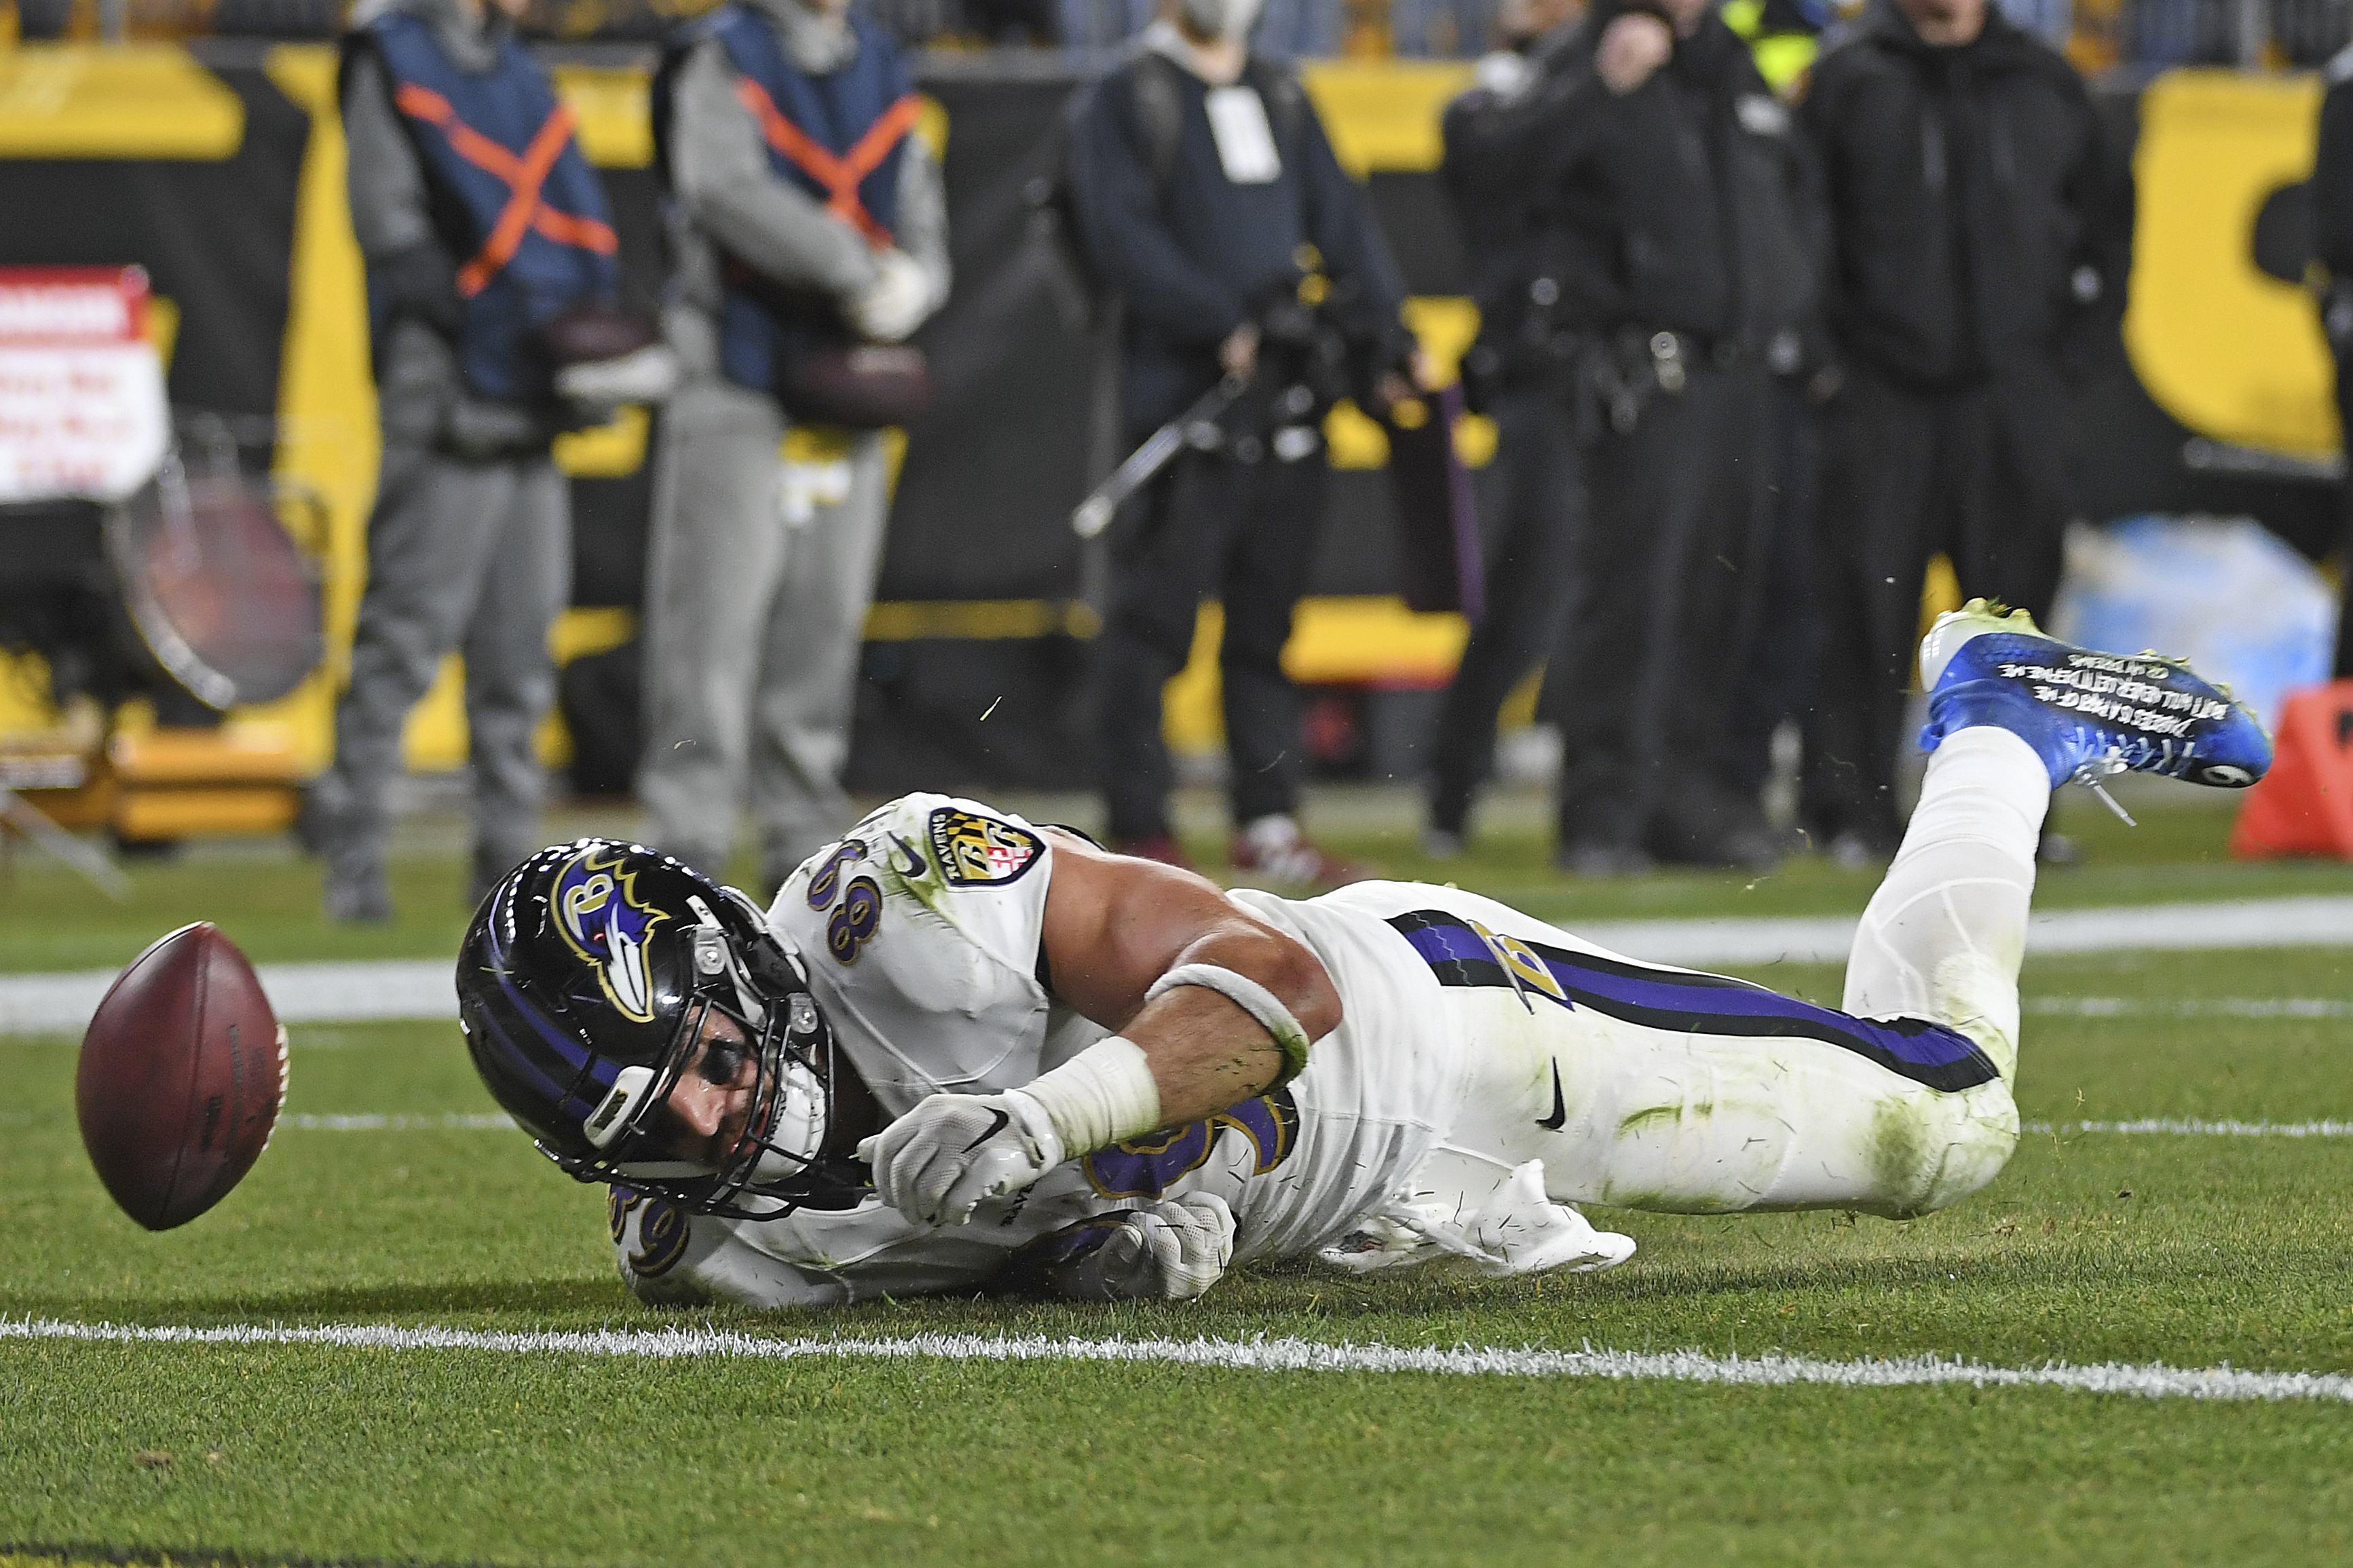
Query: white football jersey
{"x": 920, "y": 930}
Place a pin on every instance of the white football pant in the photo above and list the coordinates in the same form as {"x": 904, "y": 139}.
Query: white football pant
{"x": 1682, "y": 1110}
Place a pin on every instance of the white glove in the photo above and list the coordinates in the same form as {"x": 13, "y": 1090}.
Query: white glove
{"x": 1192, "y": 1240}
{"x": 649, "y": 375}
{"x": 1505, "y": 73}
{"x": 1171, "y": 1250}
{"x": 936, "y": 1163}
{"x": 887, "y": 310}
{"x": 1517, "y": 1230}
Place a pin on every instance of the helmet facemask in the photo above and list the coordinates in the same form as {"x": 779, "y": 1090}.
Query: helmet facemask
{"x": 776, "y": 1165}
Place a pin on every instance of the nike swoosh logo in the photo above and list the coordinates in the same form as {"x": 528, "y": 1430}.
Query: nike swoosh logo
{"x": 1559, "y": 1116}
{"x": 916, "y": 867}
{"x": 998, "y": 1125}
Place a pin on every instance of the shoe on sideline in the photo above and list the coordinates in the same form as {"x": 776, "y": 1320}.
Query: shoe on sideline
{"x": 1273, "y": 848}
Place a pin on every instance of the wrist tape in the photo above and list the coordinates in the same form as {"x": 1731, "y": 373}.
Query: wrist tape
{"x": 1102, "y": 1095}
{"x": 1252, "y": 997}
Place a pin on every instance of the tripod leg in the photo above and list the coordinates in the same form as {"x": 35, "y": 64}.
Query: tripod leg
{"x": 90, "y": 862}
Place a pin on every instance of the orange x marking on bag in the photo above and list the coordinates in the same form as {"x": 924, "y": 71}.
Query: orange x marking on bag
{"x": 522, "y": 175}
{"x": 839, "y": 174}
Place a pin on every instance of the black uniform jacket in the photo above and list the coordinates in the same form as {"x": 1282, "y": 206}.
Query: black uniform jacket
{"x": 1511, "y": 263}
{"x": 2332, "y": 169}
{"x": 1194, "y": 255}
{"x": 1971, "y": 201}
{"x": 1688, "y": 203}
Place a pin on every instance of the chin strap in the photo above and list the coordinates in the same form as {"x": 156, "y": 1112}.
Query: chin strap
{"x": 618, "y": 1110}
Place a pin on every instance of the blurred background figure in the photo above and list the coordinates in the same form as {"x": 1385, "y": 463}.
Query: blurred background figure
{"x": 1682, "y": 209}
{"x": 2332, "y": 233}
{"x": 1103, "y": 23}
{"x": 1299, "y": 29}
{"x": 1207, "y": 194}
{"x": 1015, "y": 22}
{"x": 806, "y": 221}
{"x": 1521, "y": 373}
{"x": 1441, "y": 29}
{"x": 1784, "y": 37}
{"x": 1965, "y": 182}
{"x": 1769, "y": 694}
{"x": 1286, "y": 29}
{"x": 2049, "y": 20}
{"x": 451, "y": 129}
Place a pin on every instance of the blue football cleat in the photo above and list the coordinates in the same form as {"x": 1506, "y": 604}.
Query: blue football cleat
{"x": 2088, "y": 715}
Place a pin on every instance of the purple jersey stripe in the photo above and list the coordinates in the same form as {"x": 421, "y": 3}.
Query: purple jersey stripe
{"x": 1458, "y": 945}
{"x": 1925, "y": 1052}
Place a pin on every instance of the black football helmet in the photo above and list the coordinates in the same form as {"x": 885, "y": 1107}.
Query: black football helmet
{"x": 584, "y": 985}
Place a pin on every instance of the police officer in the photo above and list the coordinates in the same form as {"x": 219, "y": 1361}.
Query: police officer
{"x": 1520, "y": 373}
{"x": 807, "y": 219}
{"x": 481, "y": 223}
{"x": 1203, "y": 188}
{"x": 2332, "y": 203}
{"x": 1784, "y": 39}
{"x": 1683, "y": 209}
{"x": 1969, "y": 192}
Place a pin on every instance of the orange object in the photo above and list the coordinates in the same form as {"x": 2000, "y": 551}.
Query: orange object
{"x": 839, "y": 176}
{"x": 2304, "y": 805}
{"x": 523, "y": 177}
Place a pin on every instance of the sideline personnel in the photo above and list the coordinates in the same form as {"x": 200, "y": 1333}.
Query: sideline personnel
{"x": 1687, "y": 222}
{"x": 480, "y": 222}
{"x": 1521, "y": 373}
{"x": 1201, "y": 178}
{"x": 1967, "y": 186}
{"x": 2332, "y": 211}
{"x": 804, "y": 216}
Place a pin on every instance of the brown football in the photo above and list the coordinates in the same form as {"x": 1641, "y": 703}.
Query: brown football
{"x": 183, "y": 1070}
{"x": 587, "y": 334}
{"x": 869, "y": 386}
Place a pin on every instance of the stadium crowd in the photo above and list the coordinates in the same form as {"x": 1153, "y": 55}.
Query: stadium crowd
{"x": 2096, "y": 33}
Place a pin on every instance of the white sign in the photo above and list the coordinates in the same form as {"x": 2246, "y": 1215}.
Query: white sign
{"x": 83, "y": 411}
{"x": 1245, "y": 141}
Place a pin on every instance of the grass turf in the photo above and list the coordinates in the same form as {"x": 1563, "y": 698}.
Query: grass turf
{"x": 2188, "y": 1250}
{"x": 268, "y": 902}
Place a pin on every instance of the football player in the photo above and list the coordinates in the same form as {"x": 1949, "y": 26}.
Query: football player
{"x": 964, "y": 1052}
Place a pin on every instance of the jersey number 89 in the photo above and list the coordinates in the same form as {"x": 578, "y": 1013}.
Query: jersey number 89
{"x": 854, "y": 921}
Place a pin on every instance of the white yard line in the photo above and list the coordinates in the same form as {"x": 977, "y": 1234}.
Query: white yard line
{"x": 2192, "y": 1127}
{"x": 2188, "y": 1008}
{"x": 422, "y": 988}
{"x": 2249, "y": 923}
{"x": 2150, "y": 1382}
{"x": 493, "y": 1123}
{"x": 452, "y": 1123}
{"x": 302, "y": 993}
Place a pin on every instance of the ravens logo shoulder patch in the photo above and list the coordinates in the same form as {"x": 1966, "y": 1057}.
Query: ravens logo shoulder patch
{"x": 977, "y": 851}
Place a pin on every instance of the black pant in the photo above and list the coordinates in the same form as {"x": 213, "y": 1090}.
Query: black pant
{"x": 1976, "y": 473}
{"x": 1531, "y": 510}
{"x": 2344, "y": 667}
{"x": 1666, "y": 613}
{"x": 1779, "y": 676}
{"x": 1245, "y": 532}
